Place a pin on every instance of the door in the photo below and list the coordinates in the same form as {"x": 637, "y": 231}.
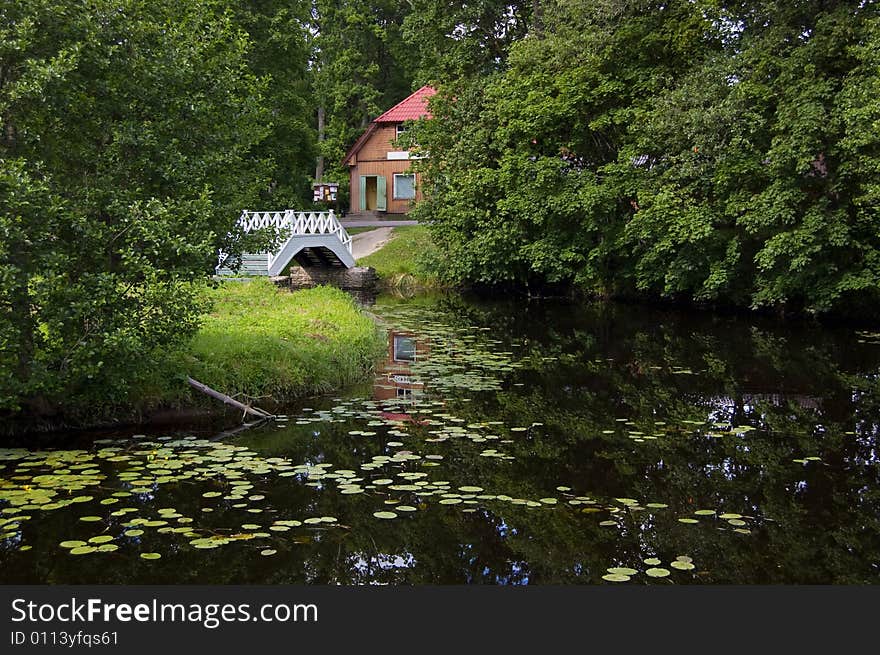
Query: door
{"x": 381, "y": 194}
{"x": 373, "y": 193}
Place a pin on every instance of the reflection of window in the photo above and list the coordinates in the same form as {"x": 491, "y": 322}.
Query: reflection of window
{"x": 404, "y": 393}
{"x": 404, "y": 187}
{"x": 404, "y": 349}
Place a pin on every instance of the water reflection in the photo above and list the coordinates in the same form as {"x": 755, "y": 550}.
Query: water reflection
{"x": 395, "y": 377}
{"x": 511, "y": 444}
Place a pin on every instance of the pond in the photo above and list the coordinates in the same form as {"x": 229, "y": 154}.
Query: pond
{"x": 504, "y": 443}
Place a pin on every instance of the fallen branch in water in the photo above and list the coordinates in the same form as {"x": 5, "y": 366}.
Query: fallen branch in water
{"x": 253, "y": 411}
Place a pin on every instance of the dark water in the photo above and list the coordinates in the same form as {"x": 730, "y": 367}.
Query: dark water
{"x": 502, "y": 443}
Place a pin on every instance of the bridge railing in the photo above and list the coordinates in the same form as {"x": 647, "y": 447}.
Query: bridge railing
{"x": 293, "y": 224}
{"x": 298, "y": 223}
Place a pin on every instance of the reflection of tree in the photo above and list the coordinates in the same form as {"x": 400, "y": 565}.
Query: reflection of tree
{"x": 814, "y": 522}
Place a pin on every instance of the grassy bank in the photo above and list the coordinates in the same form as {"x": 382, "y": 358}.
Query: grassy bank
{"x": 262, "y": 343}
{"x": 401, "y": 261}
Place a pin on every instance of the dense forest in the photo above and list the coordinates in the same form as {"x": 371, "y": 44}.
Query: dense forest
{"x": 708, "y": 150}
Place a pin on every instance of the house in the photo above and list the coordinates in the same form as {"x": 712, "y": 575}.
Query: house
{"x": 381, "y": 180}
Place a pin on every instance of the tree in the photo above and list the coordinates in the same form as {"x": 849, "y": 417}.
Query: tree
{"x": 279, "y": 52}
{"x": 720, "y": 152}
{"x": 127, "y": 149}
{"x": 361, "y": 68}
{"x": 516, "y": 180}
{"x": 456, "y": 40}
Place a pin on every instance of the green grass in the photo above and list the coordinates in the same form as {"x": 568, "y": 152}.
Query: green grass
{"x": 262, "y": 342}
{"x": 400, "y": 261}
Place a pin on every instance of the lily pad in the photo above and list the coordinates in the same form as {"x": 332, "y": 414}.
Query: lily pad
{"x": 72, "y": 544}
{"x": 657, "y": 573}
{"x": 385, "y": 515}
{"x": 150, "y": 556}
{"x": 83, "y": 550}
{"x": 616, "y": 577}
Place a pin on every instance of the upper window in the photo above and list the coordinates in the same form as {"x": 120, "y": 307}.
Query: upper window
{"x": 404, "y": 186}
{"x": 401, "y": 128}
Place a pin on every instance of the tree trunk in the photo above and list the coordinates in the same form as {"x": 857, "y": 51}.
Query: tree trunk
{"x": 319, "y": 169}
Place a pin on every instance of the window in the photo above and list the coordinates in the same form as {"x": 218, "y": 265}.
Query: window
{"x": 404, "y": 186}
{"x": 404, "y": 349}
{"x": 401, "y": 129}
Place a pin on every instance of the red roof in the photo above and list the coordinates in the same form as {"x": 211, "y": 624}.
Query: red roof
{"x": 411, "y": 108}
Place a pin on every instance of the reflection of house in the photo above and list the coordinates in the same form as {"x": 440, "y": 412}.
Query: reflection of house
{"x": 380, "y": 177}
{"x": 395, "y": 378}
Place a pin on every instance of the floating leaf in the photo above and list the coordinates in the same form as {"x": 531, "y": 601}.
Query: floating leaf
{"x": 657, "y": 573}
{"x": 150, "y": 556}
{"x": 83, "y": 550}
{"x": 652, "y": 561}
{"x": 622, "y": 570}
{"x": 267, "y": 552}
{"x": 681, "y": 566}
{"x": 385, "y": 515}
{"x": 72, "y": 544}
{"x": 616, "y": 577}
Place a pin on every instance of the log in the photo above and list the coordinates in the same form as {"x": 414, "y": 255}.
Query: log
{"x": 253, "y": 411}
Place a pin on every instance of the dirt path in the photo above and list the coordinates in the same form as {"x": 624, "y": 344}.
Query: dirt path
{"x": 366, "y": 243}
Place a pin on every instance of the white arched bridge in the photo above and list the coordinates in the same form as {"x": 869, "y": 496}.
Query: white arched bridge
{"x": 311, "y": 239}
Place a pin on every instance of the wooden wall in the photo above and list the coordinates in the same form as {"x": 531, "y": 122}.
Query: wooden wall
{"x": 372, "y": 159}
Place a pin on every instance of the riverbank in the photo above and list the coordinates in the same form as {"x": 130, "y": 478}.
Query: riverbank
{"x": 256, "y": 343}
{"x": 402, "y": 262}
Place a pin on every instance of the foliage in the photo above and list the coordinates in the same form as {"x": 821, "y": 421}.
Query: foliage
{"x": 456, "y": 40}
{"x": 279, "y": 52}
{"x": 362, "y": 67}
{"x": 126, "y": 149}
{"x": 722, "y": 152}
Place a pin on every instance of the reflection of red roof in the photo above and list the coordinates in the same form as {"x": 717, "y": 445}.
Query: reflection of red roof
{"x": 411, "y": 108}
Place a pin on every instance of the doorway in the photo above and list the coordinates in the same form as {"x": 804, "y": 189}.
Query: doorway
{"x": 370, "y": 193}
